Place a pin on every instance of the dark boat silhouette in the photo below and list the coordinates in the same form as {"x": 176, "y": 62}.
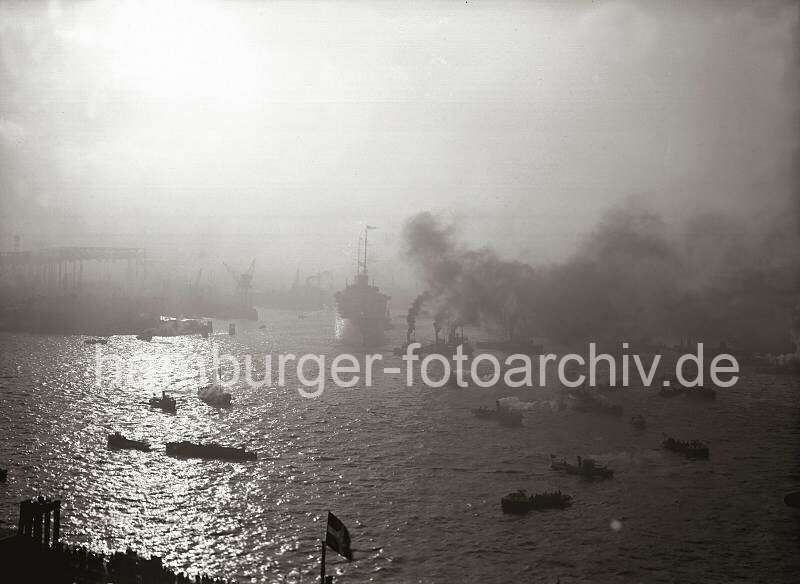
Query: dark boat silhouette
{"x": 691, "y": 448}
{"x": 502, "y": 415}
{"x": 519, "y": 502}
{"x": 671, "y": 391}
{"x": 214, "y": 396}
{"x": 700, "y": 392}
{"x": 585, "y": 401}
{"x": 792, "y": 499}
{"x": 587, "y": 468}
{"x": 210, "y": 451}
{"x": 3, "y": 475}
{"x": 638, "y": 422}
{"x": 117, "y": 441}
{"x": 165, "y": 403}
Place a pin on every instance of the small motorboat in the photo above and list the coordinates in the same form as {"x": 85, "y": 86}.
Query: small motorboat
{"x": 211, "y": 451}
{"x": 214, "y": 396}
{"x": 701, "y": 392}
{"x": 501, "y": 414}
{"x": 691, "y": 448}
{"x": 519, "y": 503}
{"x": 670, "y": 391}
{"x": 792, "y": 499}
{"x": 117, "y": 441}
{"x": 165, "y": 403}
{"x": 3, "y": 474}
{"x": 584, "y": 401}
{"x": 587, "y": 468}
{"x": 145, "y": 336}
{"x": 638, "y": 422}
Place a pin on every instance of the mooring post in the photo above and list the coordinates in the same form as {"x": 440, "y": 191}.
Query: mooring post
{"x": 37, "y": 521}
{"x": 24, "y": 512}
{"x": 56, "y": 522}
{"x": 46, "y": 514}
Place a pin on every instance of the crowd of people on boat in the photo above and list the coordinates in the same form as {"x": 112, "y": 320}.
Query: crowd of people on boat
{"x": 520, "y": 502}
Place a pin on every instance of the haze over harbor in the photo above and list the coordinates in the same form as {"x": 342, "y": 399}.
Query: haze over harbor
{"x": 399, "y": 292}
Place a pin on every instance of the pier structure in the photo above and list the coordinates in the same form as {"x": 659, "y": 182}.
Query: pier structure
{"x": 62, "y": 268}
{"x": 36, "y": 554}
{"x": 40, "y": 522}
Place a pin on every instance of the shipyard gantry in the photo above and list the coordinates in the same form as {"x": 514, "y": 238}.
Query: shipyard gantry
{"x": 62, "y": 267}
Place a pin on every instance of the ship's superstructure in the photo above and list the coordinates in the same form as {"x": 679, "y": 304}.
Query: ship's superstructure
{"x": 362, "y": 310}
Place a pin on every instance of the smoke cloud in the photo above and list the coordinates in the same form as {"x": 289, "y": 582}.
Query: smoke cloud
{"x": 631, "y": 279}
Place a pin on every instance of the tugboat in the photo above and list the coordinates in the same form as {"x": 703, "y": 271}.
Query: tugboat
{"x": 519, "y": 503}
{"x": 447, "y": 345}
{"x": 586, "y": 468}
{"x": 211, "y": 451}
{"x": 691, "y": 449}
{"x": 213, "y": 394}
{"x": 503, "y": 415}
{"x": 638, "y": 422}
{"x": 3, "y": 474}
{"x": 117, "y": 441}
{"x": 701, "y": 392}
{"x": 362, "y": 310}
{"x": 584, "y": 401}
{"x": 165, "y": 403}
{"x": 484, "y": 413}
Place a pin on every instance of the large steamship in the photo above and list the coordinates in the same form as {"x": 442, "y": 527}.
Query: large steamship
{"x": 362, "y": 310}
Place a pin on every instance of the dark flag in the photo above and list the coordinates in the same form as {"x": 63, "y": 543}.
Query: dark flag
{"x": 337, "y": 537}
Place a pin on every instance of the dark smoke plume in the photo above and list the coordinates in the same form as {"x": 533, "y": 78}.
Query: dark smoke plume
{"x": 413, "y": 313}
{"x": 630, "y": 280}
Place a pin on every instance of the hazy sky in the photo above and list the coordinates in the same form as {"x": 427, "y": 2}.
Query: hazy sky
{"x": 276, "y": 129}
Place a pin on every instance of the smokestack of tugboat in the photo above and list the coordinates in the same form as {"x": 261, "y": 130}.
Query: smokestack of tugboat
{"x": 413, "y": 313}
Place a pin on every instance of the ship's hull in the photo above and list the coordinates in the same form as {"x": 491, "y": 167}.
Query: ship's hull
{"x": 362, "y": 313}
{"x": 360, "y": 331}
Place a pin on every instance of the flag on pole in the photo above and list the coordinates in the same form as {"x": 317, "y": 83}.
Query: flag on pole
{"x": 337, "y": 537}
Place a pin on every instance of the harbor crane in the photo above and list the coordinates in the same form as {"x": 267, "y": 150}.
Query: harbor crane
{"x": 244, "y": 282}
{"x": 317, "y": 279}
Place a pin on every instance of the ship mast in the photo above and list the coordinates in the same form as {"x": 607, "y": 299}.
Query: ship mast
{"x": 366, "y": 238}
{"x": 358, "y": 256}
{"x": 361, "y": 265}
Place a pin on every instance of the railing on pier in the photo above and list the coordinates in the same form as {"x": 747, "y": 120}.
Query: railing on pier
{"x": 52, "y": 255}
{"x": 36, "y": 554}
{"x": 40, "y": 522}
{"x": 62, "y": 267}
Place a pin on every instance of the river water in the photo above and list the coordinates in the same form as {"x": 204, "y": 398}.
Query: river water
{"x": 412, "y": 473}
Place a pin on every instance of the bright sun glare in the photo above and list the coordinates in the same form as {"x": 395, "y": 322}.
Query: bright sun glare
{"x": 181, "y": 51}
